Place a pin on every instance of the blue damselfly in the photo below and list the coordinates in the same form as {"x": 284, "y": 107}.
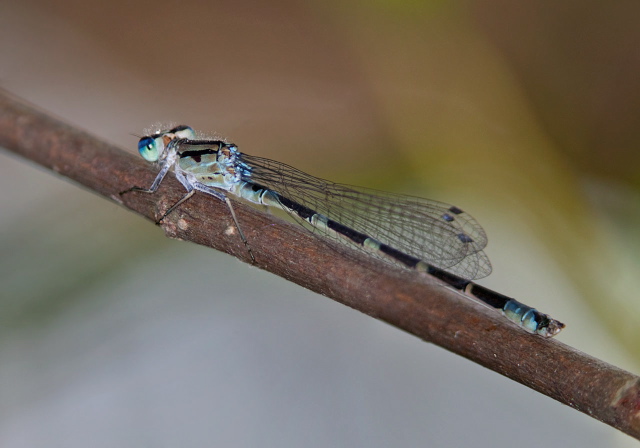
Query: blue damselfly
{"x": 420, "y": 234}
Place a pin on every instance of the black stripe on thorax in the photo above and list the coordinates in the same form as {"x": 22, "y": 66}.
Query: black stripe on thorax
{"x": 199, "y": 148}
{"x": 196, "y": 154}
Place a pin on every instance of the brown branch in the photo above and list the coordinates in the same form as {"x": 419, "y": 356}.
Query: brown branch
{"x": 407, "y": 300}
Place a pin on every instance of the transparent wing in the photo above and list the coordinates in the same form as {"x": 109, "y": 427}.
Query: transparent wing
{"x": 438, "y": 233}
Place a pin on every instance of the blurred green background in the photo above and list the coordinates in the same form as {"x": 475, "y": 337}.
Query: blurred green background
{"x": 524, "y": 114}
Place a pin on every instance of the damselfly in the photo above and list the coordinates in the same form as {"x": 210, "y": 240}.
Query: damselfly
{"x": 428, "y": 236}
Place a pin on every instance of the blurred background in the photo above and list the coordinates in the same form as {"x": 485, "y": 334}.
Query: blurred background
{"x": 524, "y": 114}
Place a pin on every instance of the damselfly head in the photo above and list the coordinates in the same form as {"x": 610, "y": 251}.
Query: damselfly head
{"x": 151, "y": 147}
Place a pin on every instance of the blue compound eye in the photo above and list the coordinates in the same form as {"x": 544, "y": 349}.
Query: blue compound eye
{"x": 183, "y": 132}
{"x": 148, "y": 149}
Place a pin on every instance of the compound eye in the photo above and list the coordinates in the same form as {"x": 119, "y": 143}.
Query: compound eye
{"x": 148, "y": 149}
{"x": 183, "y": 132}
